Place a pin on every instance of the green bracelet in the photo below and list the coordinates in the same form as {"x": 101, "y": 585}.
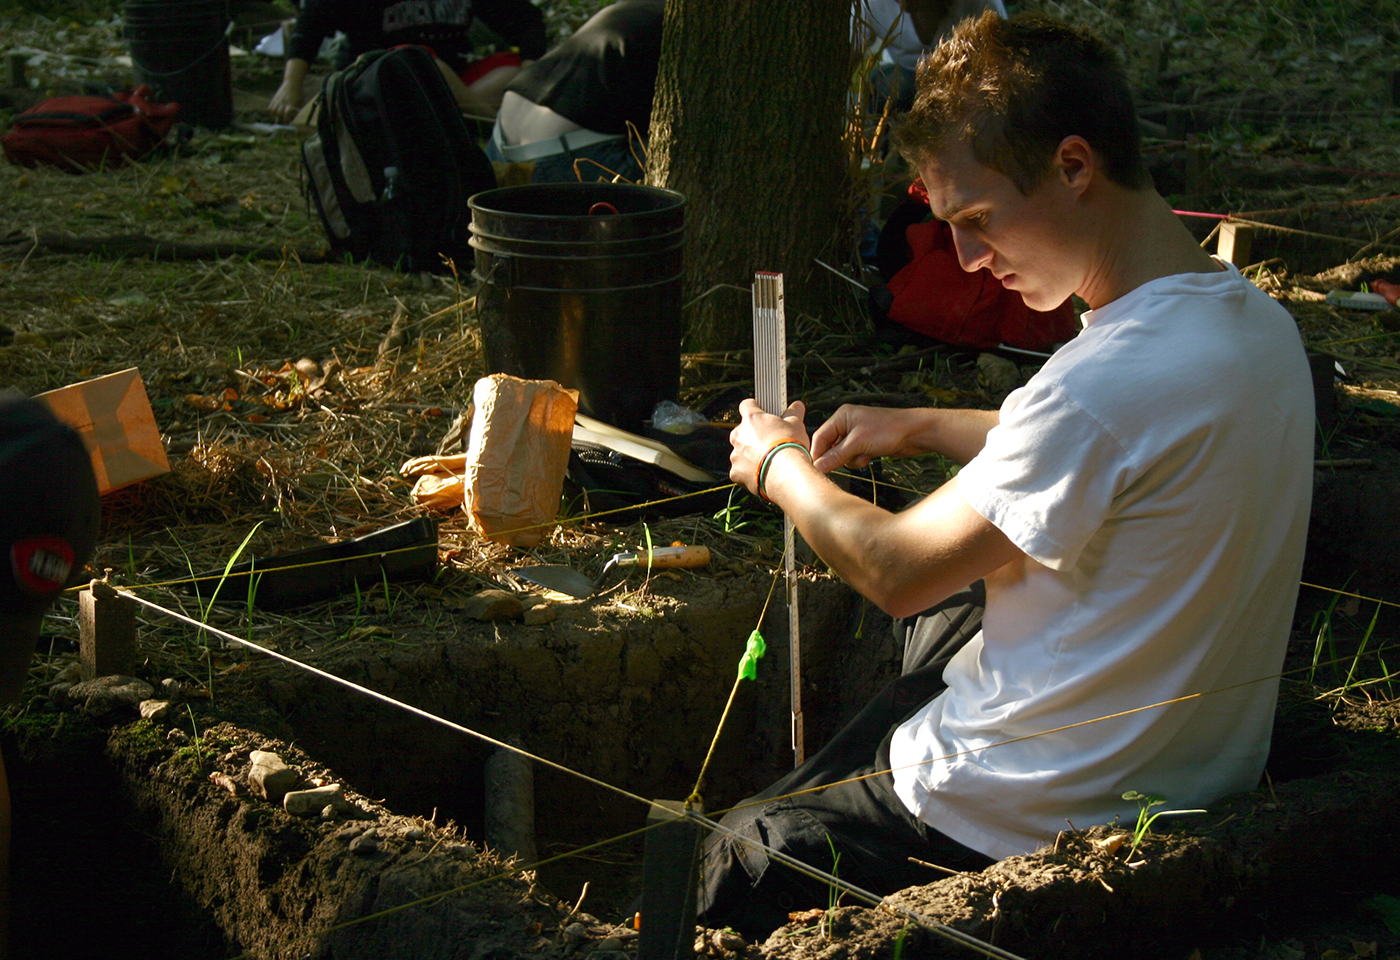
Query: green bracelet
{"x": 767, "y": 462}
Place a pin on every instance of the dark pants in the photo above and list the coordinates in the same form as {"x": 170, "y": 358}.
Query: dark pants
{"x": 859, "y": 831}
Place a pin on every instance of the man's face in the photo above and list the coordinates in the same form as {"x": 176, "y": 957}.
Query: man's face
{"x": 1025, "y": 241}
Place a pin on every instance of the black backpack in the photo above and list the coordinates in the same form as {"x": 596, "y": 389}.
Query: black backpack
{"x": 392, "y": 162}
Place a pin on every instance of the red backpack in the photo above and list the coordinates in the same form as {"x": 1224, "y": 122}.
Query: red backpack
{"x": 86, "y": 132}
{"x": 931, "y": 294}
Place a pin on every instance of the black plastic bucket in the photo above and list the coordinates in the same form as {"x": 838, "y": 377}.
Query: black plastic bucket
{"x": 581, "y": 283}
{"x": 180, "y": 47}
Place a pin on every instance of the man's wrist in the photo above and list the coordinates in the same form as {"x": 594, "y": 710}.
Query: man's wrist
{"x": 766, "y": 463}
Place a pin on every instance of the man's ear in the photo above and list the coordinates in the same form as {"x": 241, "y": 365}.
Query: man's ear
{"x": 1076, "y": 164}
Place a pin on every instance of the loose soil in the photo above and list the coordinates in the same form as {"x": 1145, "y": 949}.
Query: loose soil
{"x": 289, "y": 389}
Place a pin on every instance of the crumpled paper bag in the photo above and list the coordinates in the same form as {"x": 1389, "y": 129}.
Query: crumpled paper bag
{"x": 441, "y": 483}
{"x": 517, "y": 455}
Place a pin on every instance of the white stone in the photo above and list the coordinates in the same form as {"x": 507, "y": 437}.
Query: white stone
{"x": 154, "y": 709}
{"x": 270, "y": 775}
{"x": 308, "y": 803}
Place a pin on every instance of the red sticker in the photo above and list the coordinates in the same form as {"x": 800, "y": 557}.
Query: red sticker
{"x": 41, "y": 564}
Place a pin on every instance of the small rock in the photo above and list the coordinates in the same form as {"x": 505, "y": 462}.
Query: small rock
{"x": 270, "y": 775}
{"x": 177, "y": 736}
{"x": 540, "y": 613}
{"x": 493, "y": 605}
{"x": 365, "y": 844}
{"x": 308, "y": 803}
{"x": 106, "y": 694}
{"x": 609, "y": 945}
{"x": 170, "y": 688}
{"x": 328, "y": 812}
{"x": 729, "y": 940}
{"x": 154, "y": 709}
{"x": 414, "y": 833}
{"x": 575, "y": 932}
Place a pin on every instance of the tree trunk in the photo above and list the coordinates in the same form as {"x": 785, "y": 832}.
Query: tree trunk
{"x": 748, "y": 123}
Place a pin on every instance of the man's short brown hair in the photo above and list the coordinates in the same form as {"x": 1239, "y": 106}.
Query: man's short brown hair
{"x": 1013, "y": 90}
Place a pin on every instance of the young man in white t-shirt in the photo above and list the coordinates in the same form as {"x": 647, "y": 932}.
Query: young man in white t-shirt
{"x": 1137, "y": 512}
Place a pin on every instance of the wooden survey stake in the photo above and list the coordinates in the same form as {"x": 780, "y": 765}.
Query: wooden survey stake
{"x": 113, "y": 416}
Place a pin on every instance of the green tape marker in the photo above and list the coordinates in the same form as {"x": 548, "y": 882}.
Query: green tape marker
{"x": 753, "y": 652}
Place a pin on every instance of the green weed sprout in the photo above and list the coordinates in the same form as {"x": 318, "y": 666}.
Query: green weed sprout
{"x": 833, "y": 896}
{"x": 1145, "y": 802}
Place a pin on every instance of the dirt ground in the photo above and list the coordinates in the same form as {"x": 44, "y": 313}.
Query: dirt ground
{"x": 1283, "y": 115}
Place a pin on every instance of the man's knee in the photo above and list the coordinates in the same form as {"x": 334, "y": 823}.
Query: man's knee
{"x": 743, "y": 886}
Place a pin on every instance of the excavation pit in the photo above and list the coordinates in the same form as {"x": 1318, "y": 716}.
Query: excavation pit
{"x": 626, "y": 688}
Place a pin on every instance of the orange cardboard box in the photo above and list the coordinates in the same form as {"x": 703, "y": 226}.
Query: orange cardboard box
{"x": 113, "y": 416}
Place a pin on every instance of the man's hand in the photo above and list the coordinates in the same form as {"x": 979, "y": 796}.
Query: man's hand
{"x": 756, "y": 433}
{"x": 856, "y": 435}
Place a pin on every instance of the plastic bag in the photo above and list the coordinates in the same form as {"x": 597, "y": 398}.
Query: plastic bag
{"x": 517, "y": 454}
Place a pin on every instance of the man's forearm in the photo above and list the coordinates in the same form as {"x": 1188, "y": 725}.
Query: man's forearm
{"x": 903, "y": 562}
{"x": 956, "y": 434}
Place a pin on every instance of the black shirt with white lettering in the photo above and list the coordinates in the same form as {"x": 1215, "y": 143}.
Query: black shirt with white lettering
{"x": 442, "y": 25}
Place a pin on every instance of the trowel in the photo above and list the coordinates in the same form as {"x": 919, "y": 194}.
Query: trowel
{"x": 567, "y": 580}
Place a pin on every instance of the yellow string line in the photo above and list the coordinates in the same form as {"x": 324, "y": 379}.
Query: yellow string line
{"x": 937, "y": 928}
{"x": 1044, "y": 733}
{"x": 385, "y": 553}
{"x": 949, "y": 933}
{"x": 695, "y": 799}
{"x": 987, "y": 950}
{"x": 1346, "y": 593}
{"x": 374, "y": 694}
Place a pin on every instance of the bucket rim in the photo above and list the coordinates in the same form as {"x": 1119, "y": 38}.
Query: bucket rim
{"x": 478, "y": 201}
{"x": 482, "y": 240}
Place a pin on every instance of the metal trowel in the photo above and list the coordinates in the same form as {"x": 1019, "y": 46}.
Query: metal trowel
{"x": 565, "y": 579}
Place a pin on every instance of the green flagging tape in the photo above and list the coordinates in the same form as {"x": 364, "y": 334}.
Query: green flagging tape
{"x": 753, "y": 652}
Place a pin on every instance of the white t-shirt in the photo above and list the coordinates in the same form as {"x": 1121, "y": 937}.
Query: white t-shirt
{"x": 1157, "y": 472}
{"x": 882, "y": 26}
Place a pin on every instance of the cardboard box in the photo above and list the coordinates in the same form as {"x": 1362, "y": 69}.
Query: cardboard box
{"x": 113, "y": 416}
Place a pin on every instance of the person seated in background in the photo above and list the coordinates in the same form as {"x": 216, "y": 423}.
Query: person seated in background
{"x": 1100, "y": 601}
{"x": 47, "y": 532}
{"x": 586, "y": 99}
{"x": 444, "y": 26}
{"x": 899, "y": 32}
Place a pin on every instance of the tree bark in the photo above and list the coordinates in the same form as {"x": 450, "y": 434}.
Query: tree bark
{"x": 748, "y": 123}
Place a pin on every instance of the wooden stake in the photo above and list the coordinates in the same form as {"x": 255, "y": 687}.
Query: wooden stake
{"x": 106, "y": 631}
{"x": 510, "y": 804}
{"x": 1234, "y": 243}
{"x": 668, "y": 883}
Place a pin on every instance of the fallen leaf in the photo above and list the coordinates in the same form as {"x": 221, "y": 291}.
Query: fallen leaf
{"x": 200, "y": 402}
{"x": 1111, "y": 845}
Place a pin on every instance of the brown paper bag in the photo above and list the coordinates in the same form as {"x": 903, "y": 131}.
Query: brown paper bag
{"x": 113, "y": 416}
{"x": 517, "y": 454}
